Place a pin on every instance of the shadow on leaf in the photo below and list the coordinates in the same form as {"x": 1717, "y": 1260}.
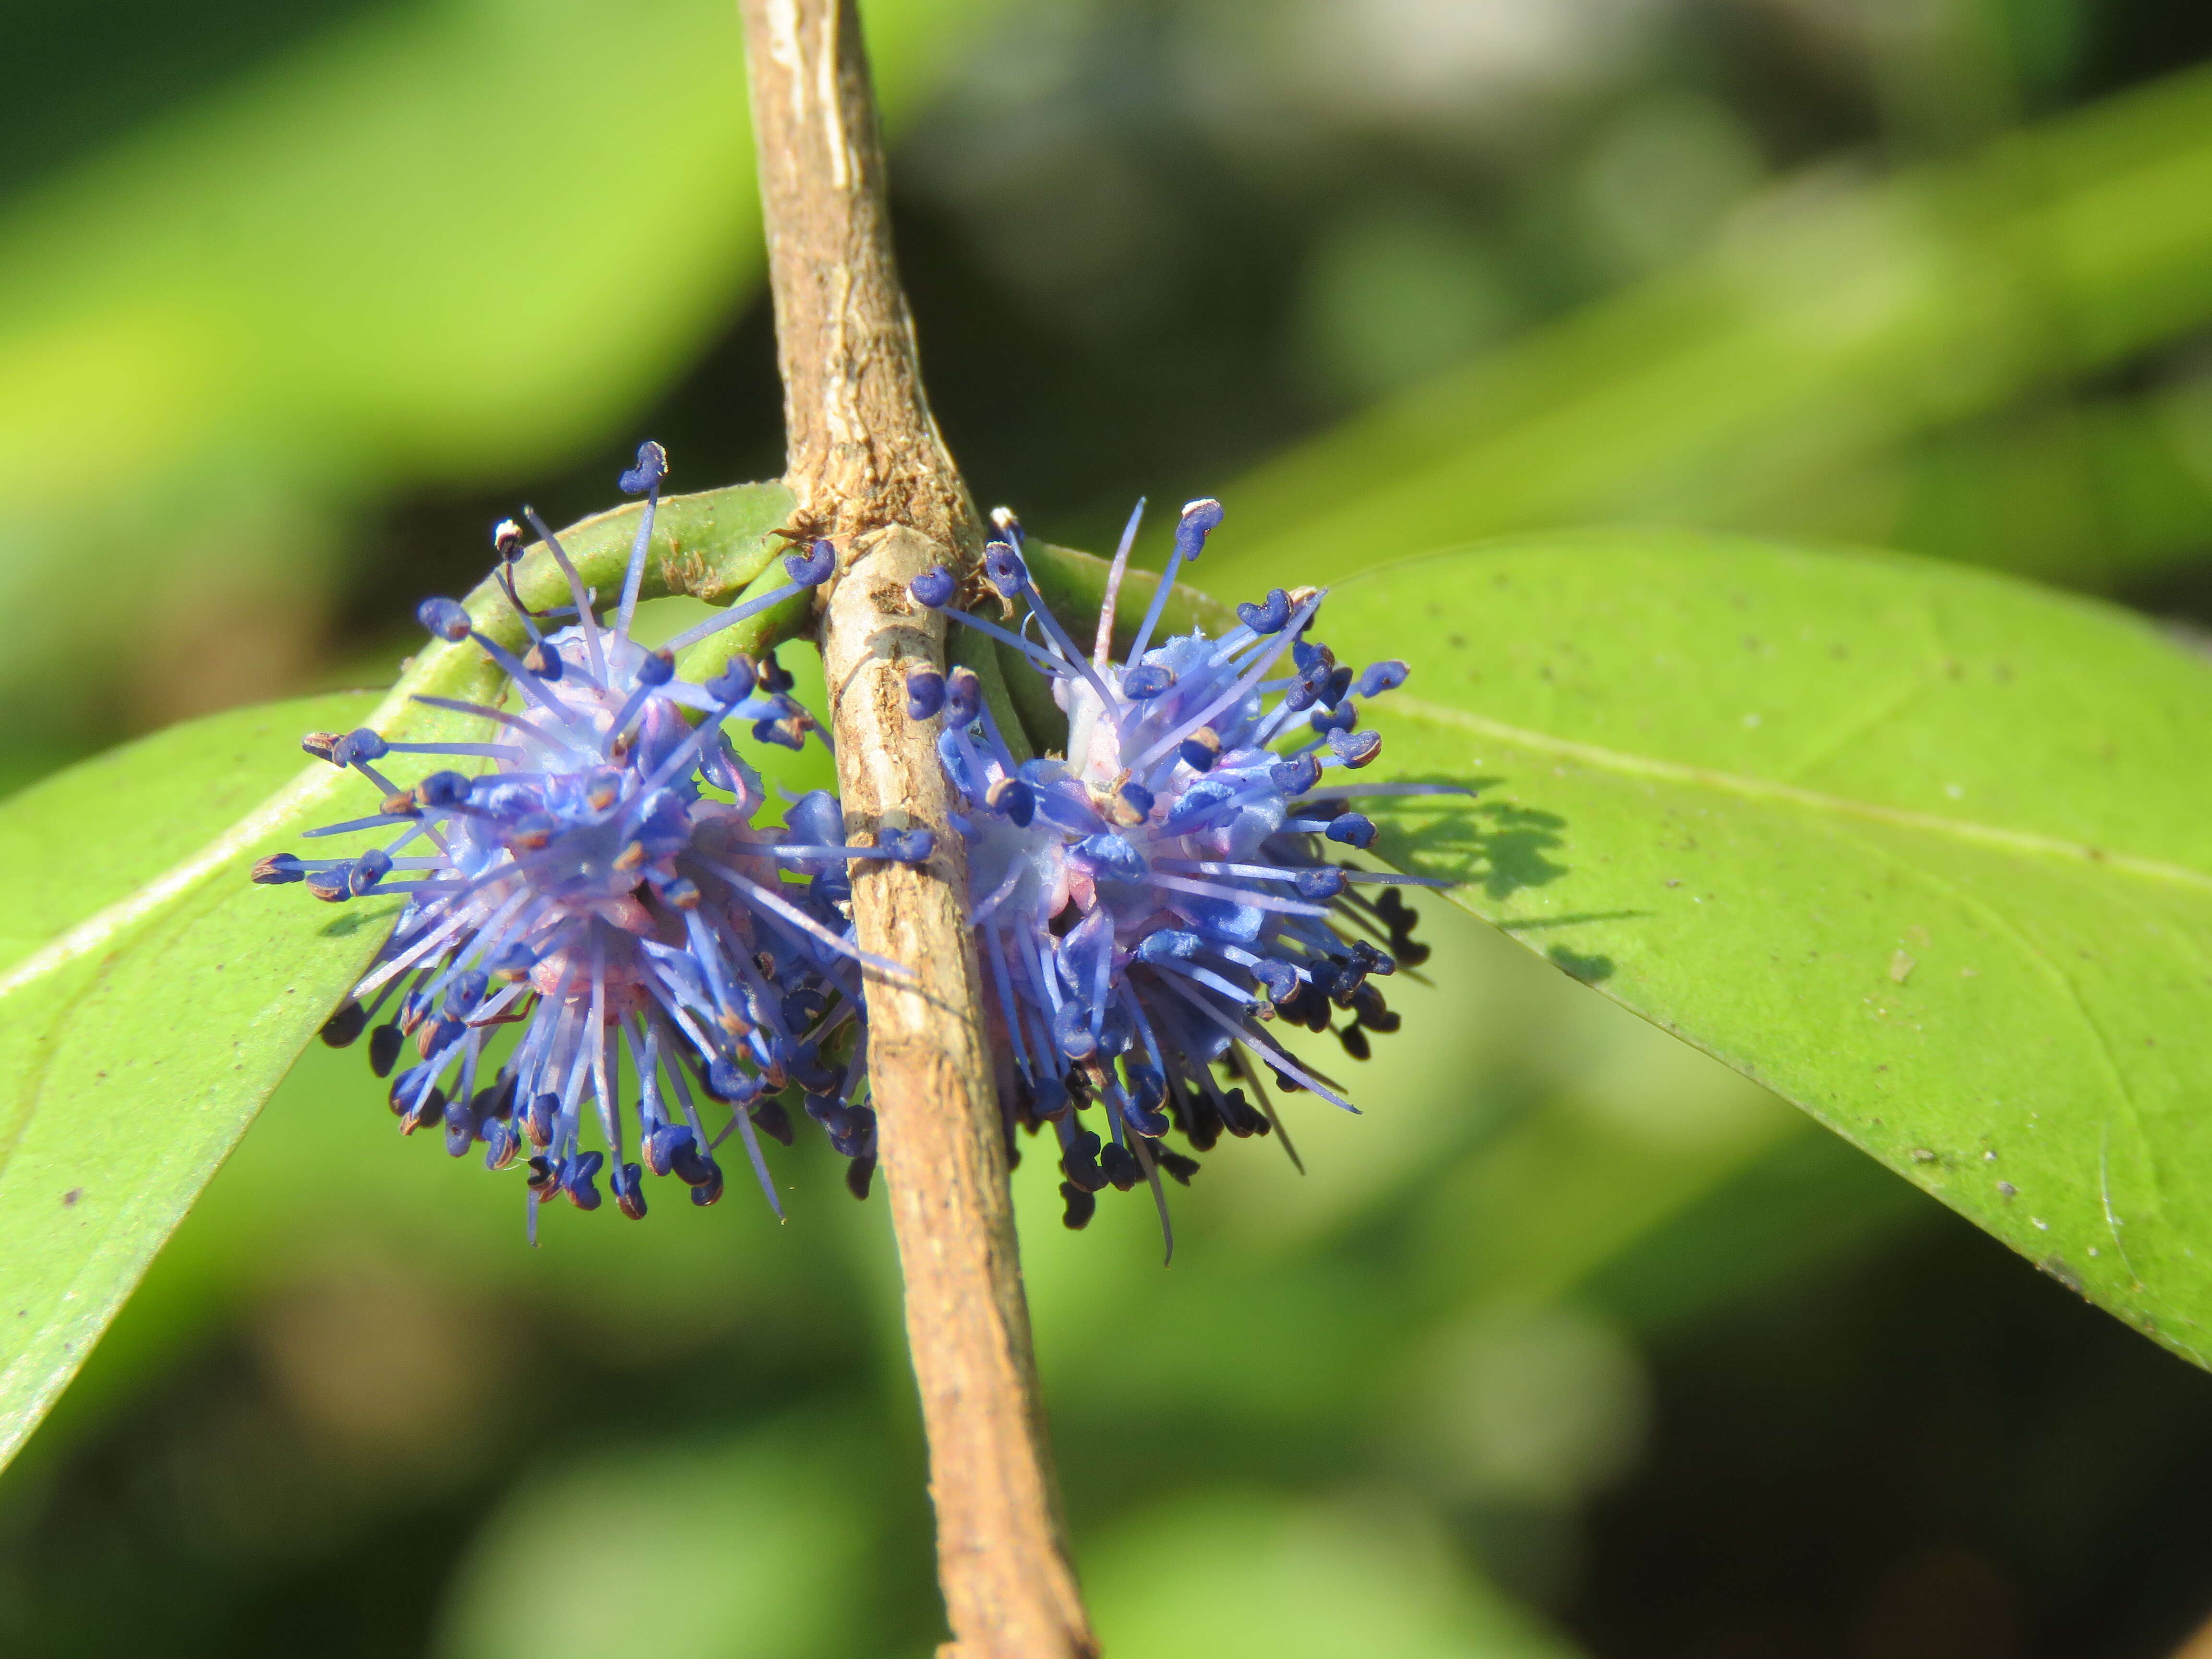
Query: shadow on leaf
{"x": 1494, "y": 845}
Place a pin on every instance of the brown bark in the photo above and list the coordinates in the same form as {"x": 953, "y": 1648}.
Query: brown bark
{"x": 870, "y": 470}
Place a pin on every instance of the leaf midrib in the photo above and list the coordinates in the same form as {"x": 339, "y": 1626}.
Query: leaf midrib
{"x": 1597, "y": 757}
{"x": 113, "y": 920}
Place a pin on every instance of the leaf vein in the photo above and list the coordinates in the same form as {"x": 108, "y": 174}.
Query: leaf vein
{"x": 1601, "y": 758}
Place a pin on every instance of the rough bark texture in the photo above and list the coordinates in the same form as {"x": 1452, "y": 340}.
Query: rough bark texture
{"x": 870, "y": 470}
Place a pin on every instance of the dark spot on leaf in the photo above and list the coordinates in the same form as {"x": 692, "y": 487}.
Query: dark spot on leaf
{"x": 2006, "y": 1189}
{"x": 71, "y": 1197}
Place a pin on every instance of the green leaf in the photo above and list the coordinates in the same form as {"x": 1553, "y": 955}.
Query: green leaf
{"x": 441, "y": 242}
{"x": 137, "y": 1043}
{"x": 152, "y": 997}
{"x": 1774, "y": 382}
{"x": 1336, "y": 1582}
{"x": 1926, "y": 851}
{"x": 769, "y": 1535}
{"x": 357, "y": 257}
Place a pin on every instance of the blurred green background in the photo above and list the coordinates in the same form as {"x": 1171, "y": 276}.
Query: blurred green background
{"x": 1573, "y": 1344}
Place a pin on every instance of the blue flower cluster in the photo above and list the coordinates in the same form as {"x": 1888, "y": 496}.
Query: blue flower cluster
{"x": 1148, "y": 904}
{"x": 596, "y": 891}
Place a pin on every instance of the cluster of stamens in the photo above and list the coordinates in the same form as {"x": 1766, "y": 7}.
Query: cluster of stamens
{"x": 1150, "y": 904}
{"x": 592, "y": 910}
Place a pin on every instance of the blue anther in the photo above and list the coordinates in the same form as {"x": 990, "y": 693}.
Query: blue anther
{"x": 1200, "y": 518}
{"x": 657, "y": 668}
{"x": 963, "y": 697}
{"x": 1080, "y": 1160}
{"x": 629, "y": 1182}
{"x": 1005, "y": 569}
{"x": 576, "y": 1177}
{"x": 1111, "y": 856}
{"x": 443, "y": 789}
{"x": 925, "y": 693}
{"x": 854, "y": 1135}
{"x": 1294, "y": 777}
{"x": 1353, "y": 829}
{"x": 1147, "y": 681}
{"x": 427, "y": 1113}
{"x": 693, "y": 1165}
{"x": 911, "y": 847}
{"x": 1017, "y": 799}
{"x": 446, "y": 619}
{"x": 537, "y": 1122}
{"x": 1355, "y": 749}
{"x": 651, "y": 467}
{"x": 727, "y": 1083}
{"x": 466, "y": 991}
{"x": 1380, "y": 676}
{"x": 1049, "y": 1099}
{"x": 461, "y": 1129}
{"x": 1071, "y": 1032}
{"x": 812, "y": 568}
{"x": 278, "y": 870}
{"x": 1148, "y": 1086}
{"x": 734, "y": 684}
{"x": 662, "y": 1145}
{"x": 1198, "y": 754}
{"x": 363, "y": 745}
{"x": 1319, "y": 885}
{"x": 1168, "y": 945}
{"x": 1342, "y": 718}
{"x": 934, "y": 588}
{"x": 1270, "y": 615}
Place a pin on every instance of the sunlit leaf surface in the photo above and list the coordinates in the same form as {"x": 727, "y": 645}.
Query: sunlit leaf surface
{"x": 1928, "y": 851}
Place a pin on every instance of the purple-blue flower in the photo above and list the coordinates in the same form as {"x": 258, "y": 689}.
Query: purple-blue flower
{"x": 1147, "y": 906}
{"x": 584, "y": 920}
